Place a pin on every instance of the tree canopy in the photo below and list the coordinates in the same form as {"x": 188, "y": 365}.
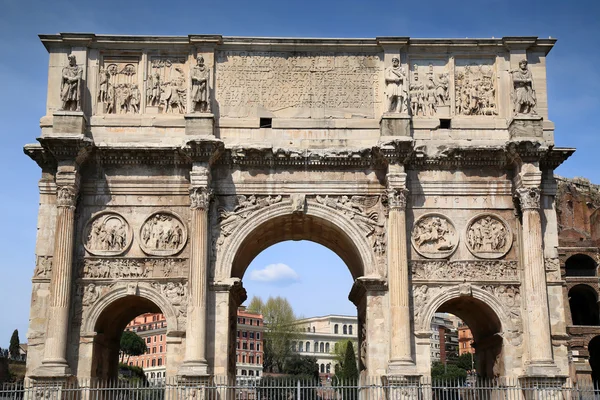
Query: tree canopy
{"x": 132, "y": 345}
{"x": 304, "y": 366}
{"x": 279, "y": 320}
{"x": 13, "y": 349}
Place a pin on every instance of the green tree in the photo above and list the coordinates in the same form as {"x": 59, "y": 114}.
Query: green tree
{"x": 281, "y": 330}
{"x": 131, "y": 345}
{"x": 465, "y": 361}
{"x": 339, "y": 351}
{"x": 13, "y": 349}
{"x": 349, "y": 369}
{"x": 448, "y": 372}
{"x": 302, "y": 366}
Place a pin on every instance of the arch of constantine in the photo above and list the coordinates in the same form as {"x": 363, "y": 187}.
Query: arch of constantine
{"x": 169, "y": 163}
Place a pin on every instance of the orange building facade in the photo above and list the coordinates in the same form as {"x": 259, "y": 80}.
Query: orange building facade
{"x": 249, "y": 344}
{"x": 465, "y": 340}
{"x": 153, "y": 329}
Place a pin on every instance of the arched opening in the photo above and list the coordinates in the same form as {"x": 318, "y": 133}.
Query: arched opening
{"x": 126, "y": 313}
{"x": 484, "y": 328}
{"x": 580, "y": 265}
{"x": 594, "y": 352}
{"x": 583, "y": 302}
{"x": 320, "y": 235}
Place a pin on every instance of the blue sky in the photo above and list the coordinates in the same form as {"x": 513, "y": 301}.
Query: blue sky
{"x": 573, "y": 86}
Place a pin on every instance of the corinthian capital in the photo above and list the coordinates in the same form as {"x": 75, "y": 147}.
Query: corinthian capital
{"x": 200, "y": 197}
{"x": 397, "y": 198}
{"x": 66, "y": 196}
{"x": 529, "y": 198}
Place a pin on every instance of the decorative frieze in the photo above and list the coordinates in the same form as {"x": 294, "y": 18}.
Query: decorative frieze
{"x": 133, "y": 268}
{"x": 163, "y": 234}
{"x": 479, "y": 270}
{"x": 434, "y": 236}
{"x": 107, "y": 234}
{"x": 475, "y": 87}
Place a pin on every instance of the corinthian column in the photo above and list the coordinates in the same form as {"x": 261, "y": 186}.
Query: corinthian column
{"x": 195, "y": 363}
{"x": 400, "y": 328}
{"x": 538, "y": 320}
{"x": 55, "y": 350}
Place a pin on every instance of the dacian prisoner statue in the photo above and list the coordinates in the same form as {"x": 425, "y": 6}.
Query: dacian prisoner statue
{"x": 394, "y": 87}
{"x": 200, "y": 96}
{"x": 523, "y": 92}
{"x": 70, "y": 86}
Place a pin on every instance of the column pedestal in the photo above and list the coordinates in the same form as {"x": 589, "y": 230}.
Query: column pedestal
{"x": 395, "y": 125}
{"x": 526, "y": 127}
{"x": 68, "y": 123}
{"x": 199, "y": 124}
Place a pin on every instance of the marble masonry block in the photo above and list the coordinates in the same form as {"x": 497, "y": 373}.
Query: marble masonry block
{"x": 70, "y": 123}
{"x": 526, "y": 126}
{"x": 201, "y": 124}
{"x": 395, "y": 125}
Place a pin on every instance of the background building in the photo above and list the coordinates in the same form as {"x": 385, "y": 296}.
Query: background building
{"x": 465, "y": 340}
{"x": 444, "y": 337}
{"x": 320, "y": 335}
{"x": 153, "y": 329}
{"x": 249, "y": 344}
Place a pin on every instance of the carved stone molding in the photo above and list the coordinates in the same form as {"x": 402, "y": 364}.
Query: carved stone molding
{"x": 434, "y": 236}
{"x": 66, "y": 196}
{"x": 488, "y": 236}
{"x": 200, "y": 198}
{"x": 133, "y": 268}
{"x": 107, "y": 234}
{"x": 43, "y": 267}
{"x": 529, "y": 198}
{"x": 176, "y": 294}
{"x": 481, "y": 270}
{"x": 163, "y": 234}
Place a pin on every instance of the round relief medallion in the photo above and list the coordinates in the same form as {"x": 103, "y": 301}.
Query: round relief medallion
{"x": 488, "y": 236}
{"x": 107, "y": 234}
{"x": 434, "y": 236}
{"x": 163, "y": 234}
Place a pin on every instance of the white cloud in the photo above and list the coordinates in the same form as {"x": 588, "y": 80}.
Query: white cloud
{"x": 280, "y": 273}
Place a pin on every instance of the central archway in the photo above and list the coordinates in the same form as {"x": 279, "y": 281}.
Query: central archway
{"x": 316, "y": 223}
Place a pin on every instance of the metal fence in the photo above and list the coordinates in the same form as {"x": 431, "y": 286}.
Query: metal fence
{"x": 284, "y": 388}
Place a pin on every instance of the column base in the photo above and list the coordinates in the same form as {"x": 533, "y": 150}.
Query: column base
{"x": 68, "y": 123}
{"x": 545, "y": 370}
{"x": 546, "y": 387}
{"x": 528, "y": 127}
{"x": 193, "y": 371}
{"x": 395, "y": 125}
{"x": 199, "y": 124}
{"x": 402, "y": 370}
{"x": 402, "y": 387}
{"x": 53, "y": 370}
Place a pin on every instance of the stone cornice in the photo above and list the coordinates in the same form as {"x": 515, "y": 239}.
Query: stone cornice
{"x": 41, "y": 156}
{"x": 69, "y": 149}
{"x": 204, "y": 149}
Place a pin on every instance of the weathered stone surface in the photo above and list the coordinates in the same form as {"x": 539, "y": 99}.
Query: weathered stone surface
{"x": 405, "y": 157}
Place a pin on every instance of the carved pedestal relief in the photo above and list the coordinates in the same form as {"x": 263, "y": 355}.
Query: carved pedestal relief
{"x": 107, "y": 234}
{"x": 434, "y": 236}
{"x": 119, "y": 86}
{"x": 163, "y": 234}
{"x": 43, "y": 267}
{"x": 488, "y": 236}
{"x": 166, "y": 89}
{"x": 429, "y": 88}
{"x": 475, "y": 87}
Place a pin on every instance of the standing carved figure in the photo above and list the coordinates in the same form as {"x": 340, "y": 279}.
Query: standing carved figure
{"x": 154, "y": 90}
{"x": 103, "y": 86}
{"x": 70, "y": 85}
{"x": 200, "y": 95}
{"x": 523, "y": 92}
{"x": 394, "y": 87}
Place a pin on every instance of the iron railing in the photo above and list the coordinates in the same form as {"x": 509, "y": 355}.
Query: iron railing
{"x": 284, "y": 388}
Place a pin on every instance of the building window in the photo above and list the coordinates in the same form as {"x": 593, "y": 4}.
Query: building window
{"x": 336, "y": 329}
{"x": 243, "y": 372}
{"x": 243, "y": 358}
{"x": 252, "y": 346}
{"x": 328, "y": 368}
{"x": 251, "y": 373}
{"x": 350, "y": 329}
{"x": 244, "y": 334}
{"x": 322, "y": 347}
{"x": 154, "y": 362}
{"x": 258, "y": 335}
{"x": 148, "y": 340}
{"x": 322, "y": 368}
{"x": 313, "y": 329}
{"x": 155, "y": 339}
{"x": 300, "y": 346}
{"x": 308, "y": 347}
{"x": 245, "y": 346}
{"x": 154, "y": 350}
{"x": 160, "y": 361}
{"x": 345, "y": 330}
{"x": 251, "y": 359}
{"x": 251, "y": 335}
{"x": 160, "y": 349}
{"x": 257, "y": 346}
{"x": 316, "y": 347}
{"x": 326, "y": 347}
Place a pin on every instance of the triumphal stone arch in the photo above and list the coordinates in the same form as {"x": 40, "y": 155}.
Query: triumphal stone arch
{"x": 169, "y": 163}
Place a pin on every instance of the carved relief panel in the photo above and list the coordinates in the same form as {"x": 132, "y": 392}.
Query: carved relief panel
{"x": 133, "y": 268}
{"x": 298, "y": 84}
{"x": 429, "y": 88}
{"x": 488, "y": 236}
{"x": 107, "y": 234}
{"x": 434, "y": 236}
{"x": 166, "y": 86}
{"x": 119, "y": 86}
{"x": 163, "y": 234}
{"x": 475, "y": 85}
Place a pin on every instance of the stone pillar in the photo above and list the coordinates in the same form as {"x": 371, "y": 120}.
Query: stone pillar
{"x": 541, "y": 361}
{"x": 195, "y": 363}
{"x": 55, "y": 349}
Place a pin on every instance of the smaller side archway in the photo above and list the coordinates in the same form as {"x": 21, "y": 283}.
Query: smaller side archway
{"x": 583, "y": 303}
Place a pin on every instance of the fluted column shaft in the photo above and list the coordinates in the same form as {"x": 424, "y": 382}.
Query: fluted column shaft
{"x": 55, "y": 350}
{"x": 195, "y": 350}
{"x": 400, "y": 331}
{"x": 538, "y": 319}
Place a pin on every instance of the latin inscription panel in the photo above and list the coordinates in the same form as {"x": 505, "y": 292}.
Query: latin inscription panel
{"x": 298, "y": 84}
